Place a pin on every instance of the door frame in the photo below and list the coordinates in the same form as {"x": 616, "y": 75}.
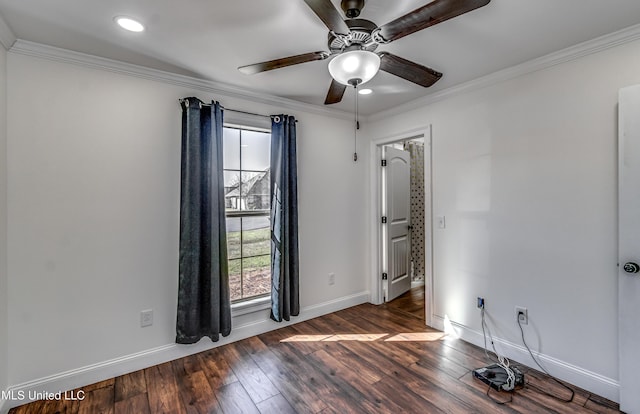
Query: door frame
{"x": 375, "y": 148}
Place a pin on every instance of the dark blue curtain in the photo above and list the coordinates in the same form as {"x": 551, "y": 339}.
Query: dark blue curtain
{"x": 204, "y": 307}
{"x": 285, "y": 286}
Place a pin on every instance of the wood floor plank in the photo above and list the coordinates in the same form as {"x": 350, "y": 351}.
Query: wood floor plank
{"x": 404, "y": 397}
{"x": 216, "y": 369}
{"x": 98, "y": 401}
{"x": 233, "y": 398}
{"x": 519, "y": 403}
{"x": 600, "y": 405}
{"x": 364, "y": 359}
{"x": 541, "y": 382}
{"x": 137, "y": 404}
{"x": 162, "y": 389}
{"x": 322, "y": 385}
{"x": 130, "y": 385}
{"x": 377, "y": 401}
{"x": 197, "y": 395}
{"x": 35, "y": 407}
{"x": 67, "y": 406}
{"x": 252, "y": 378}
{"x": 276, "y": 405}
{"x": 411, "y": 303}
{"x": 476, "y": 398}
{"x": 284, "y": 379}
{"x": 436, "y": 360}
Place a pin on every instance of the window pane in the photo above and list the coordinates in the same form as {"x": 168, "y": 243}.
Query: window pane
{"x": 235, "y": 279}
{"x": 247, "y": 182}
{"x": 231, "y": 148}
{"x": 255, "y": 190}
{"x": 233, "y": 237}
{"x": 256, "y": 278}
{"x": 255, "y": 150}
{"x": 232, "y": 190}
{"x": 256, "y": 236}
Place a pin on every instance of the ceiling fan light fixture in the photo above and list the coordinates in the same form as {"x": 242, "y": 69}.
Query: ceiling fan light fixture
{"x": 356, "y": 66}
{"x": 129, "y": 24}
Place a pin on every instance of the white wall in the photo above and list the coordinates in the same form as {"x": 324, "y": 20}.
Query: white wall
{"x": 525, "y": 173}
{"x": 3, "y": 222}
{"x": 93, "y": 189}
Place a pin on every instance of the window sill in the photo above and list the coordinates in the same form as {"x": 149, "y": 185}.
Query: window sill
{"x": 250, "y": 306}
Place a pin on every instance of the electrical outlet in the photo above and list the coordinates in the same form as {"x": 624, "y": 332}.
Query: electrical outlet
{"x": 332, "y": 278}
{"x": 480, "y": 303}
{"x": 522, "y": 314}
{"x": 146, "y": 318}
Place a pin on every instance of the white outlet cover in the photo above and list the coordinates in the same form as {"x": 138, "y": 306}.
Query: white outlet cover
{"x": 146, "y": 318}
{"x": 440, "y": 222}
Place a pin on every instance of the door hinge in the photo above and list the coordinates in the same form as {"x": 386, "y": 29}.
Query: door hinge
{"x": 383, "y": 163}
{"x": 384, "y": 276}
{"x": 384, "y": 219}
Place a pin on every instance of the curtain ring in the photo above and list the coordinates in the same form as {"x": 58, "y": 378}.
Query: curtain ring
{"x": 276, "y": 119}
{"x": 187, "y": 102}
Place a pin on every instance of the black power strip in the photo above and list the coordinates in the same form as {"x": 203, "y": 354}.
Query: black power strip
{"x": 495, "y": 376}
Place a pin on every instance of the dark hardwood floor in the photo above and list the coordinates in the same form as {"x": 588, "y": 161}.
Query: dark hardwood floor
{"x": 411, "y": 302}
{"x": 365, "y": 359}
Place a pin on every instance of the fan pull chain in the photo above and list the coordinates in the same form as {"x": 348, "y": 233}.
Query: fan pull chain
{"x": 357, "y": 127}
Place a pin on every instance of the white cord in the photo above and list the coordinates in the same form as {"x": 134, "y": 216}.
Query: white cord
{"x": 502, "y": 361}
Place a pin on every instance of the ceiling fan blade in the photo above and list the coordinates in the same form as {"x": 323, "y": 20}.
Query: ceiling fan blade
{"x": 329, "y": 15}
{"x": 408, "y": 70}
{"x": 336, "y": 92}
{"x": 433, "y": 13}
{"x": 283, "y": 62}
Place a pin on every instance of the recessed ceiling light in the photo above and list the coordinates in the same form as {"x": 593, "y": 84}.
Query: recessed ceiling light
{"x": 129, "y": 24}
{"x": 365, "y": 91}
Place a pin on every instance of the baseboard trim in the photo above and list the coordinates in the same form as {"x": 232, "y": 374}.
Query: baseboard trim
{"x": 90, "y": 374}
{"x": 590, "y": 381}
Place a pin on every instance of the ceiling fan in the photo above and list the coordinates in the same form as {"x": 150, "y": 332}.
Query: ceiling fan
{"x": 360, "y": 38}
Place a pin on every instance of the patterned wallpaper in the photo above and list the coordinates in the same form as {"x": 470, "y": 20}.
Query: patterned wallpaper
{"x": 416, "y": 149}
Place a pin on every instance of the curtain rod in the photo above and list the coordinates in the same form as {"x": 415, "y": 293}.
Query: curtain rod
{"x": 233, "y": 110}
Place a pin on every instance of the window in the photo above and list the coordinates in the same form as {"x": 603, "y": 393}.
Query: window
{"x": 246, "y": 165}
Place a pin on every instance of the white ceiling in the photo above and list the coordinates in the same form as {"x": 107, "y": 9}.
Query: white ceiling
{"x": 209, "y": 39}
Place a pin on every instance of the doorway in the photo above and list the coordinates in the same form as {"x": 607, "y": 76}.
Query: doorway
{"x": 628, "y": 247}
{"x": 416, "y": 287}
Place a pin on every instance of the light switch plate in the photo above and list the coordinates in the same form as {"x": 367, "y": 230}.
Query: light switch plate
{"x": 440, "y": 222}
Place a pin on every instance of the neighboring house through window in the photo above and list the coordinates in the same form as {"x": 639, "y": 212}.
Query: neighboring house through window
{"x": 247, "y": 201}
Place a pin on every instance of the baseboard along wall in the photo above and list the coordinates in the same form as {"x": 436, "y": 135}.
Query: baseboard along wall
{"x": 590, "y": 381}
{"x": 91, "y": 374}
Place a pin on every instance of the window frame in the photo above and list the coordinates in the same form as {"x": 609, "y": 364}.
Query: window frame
{"x": 247, "y": 122}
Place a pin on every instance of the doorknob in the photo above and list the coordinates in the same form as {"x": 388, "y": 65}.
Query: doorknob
{"x": 631, "y": 267}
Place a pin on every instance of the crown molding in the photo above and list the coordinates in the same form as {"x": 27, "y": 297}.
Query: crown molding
{"x": 7, "y": 38}
{"x": 39, "y": 50}
{"x": 24, "y": 47}
{"x": 571, "y": 53}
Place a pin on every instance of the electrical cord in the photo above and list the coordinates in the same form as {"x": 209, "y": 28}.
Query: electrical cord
{"x": 573, "y": 393}
{"x": 501, "y": 360}
{"x": 484, "y": 334}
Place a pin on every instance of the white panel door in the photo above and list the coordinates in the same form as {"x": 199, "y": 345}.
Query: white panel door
{"x": 397, "y": 194}
{"x": 629, "y": 248}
